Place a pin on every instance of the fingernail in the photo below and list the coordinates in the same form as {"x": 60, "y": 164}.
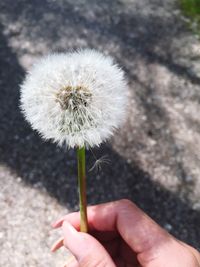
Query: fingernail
{"x": 53, "y": 224}
{"x": 58, "y": 244}
{"x": 57, "y": 223}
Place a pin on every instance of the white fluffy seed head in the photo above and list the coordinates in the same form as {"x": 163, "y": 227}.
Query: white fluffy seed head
{"x": 75, "y": 98}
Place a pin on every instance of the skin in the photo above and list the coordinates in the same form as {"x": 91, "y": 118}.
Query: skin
{"x": 124, "y": 236}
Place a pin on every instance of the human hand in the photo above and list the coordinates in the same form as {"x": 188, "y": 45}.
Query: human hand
{"x": 122, "y": 235}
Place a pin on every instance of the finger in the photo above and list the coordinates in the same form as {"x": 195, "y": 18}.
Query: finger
{"x": 58, "y": 223}
{"x": 58, "y": 244}
{"x": 87, "y": 250}
{"x": 74, "y": 219}
{"x": 111, "y": 247}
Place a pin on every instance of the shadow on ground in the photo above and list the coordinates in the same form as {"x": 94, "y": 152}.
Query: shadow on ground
{"x": 44, "y": 165}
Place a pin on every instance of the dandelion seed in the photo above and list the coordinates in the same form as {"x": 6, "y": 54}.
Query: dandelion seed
{"x": 99, "y": 163}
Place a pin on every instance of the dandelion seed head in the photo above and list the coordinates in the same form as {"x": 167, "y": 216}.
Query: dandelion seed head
{"x": 75, "y": 98}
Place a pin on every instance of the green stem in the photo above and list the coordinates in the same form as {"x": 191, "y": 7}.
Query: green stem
{"x": 82, "y": 189}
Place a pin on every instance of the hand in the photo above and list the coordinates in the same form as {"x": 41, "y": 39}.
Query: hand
{"x": 124, "y": 236}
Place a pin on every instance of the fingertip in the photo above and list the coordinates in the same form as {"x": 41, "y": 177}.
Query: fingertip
{"x": 53, "y": 224}
{"x": 58, "y": 244}
{"x": 57, "y": 223}
{"x": 53, "y": 249}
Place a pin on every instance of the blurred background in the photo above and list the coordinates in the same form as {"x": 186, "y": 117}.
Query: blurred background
{"x": 155, "y": 156}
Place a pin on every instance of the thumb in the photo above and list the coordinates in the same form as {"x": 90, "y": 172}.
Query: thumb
{"x": 86, "y": 249}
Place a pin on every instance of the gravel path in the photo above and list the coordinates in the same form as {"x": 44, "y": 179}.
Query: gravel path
{"x": 155, "y": 156}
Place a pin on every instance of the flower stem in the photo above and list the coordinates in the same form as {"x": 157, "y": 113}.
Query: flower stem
{"x": 82, "y": 189}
